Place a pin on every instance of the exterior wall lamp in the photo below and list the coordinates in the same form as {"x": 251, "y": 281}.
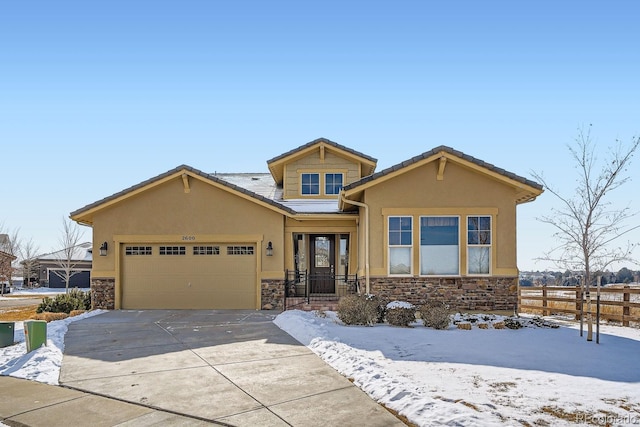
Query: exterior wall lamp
{"x": 269, "y": 251}
{"x": 103, "y": 249}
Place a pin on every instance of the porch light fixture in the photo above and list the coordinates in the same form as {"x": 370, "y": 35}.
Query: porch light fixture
{"x": 103, "y": 249}
{"x": 269, "y": 251}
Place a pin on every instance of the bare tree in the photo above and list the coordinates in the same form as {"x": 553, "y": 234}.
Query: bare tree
{"x": 28, "y": 255}
{"x": 586, "y": 223}
{"x": 10, "y": 245}
{"x": 69, "y": 255}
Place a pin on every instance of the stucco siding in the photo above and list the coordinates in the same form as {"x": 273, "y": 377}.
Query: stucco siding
{"x": 462, "y": 192}
{"x": 313, "y": 163}
{"x": 166, "y": 214}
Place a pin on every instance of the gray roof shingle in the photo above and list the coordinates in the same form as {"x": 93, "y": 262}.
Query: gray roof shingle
{"x": 434, "y": 151}
{"x": 326, "y": 141}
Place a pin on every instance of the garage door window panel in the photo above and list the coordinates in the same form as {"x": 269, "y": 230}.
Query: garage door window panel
{"x": 138, "y": 250}
{"x": 173, "y": 250}
{"x": 206, "y": 250}
{"x": 240, "y": 250}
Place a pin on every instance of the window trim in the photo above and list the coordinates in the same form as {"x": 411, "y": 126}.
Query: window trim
{"x": 389, "y": 246}
{"x": 324, "y": 186}
{"x": 458, "y": 274}
{"x": 302, "y": 193}
{"x": 478, "y": 245}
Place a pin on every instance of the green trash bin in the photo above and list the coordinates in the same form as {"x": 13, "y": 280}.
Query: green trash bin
{"x": 7, "y": 333}
{"x": 35, "y": 334}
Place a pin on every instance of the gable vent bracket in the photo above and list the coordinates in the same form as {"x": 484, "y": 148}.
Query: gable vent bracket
{"x": 185, "y": 182}
{"x": 443, "y": 163}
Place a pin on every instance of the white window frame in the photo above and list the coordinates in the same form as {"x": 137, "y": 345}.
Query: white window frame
{"x": 324, "y": 184}
{"x": 480, "y": 245}
{"x": 390, "y": 247}
{"x": 319, "y": 175}
{"x": 459, "y": 245}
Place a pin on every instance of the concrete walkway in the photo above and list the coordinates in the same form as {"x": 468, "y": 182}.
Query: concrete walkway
{"x": 228, "y": 367}
{"x": 28, "y": 403}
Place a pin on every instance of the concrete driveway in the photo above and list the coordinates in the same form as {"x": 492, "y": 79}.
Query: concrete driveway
{"x": 229, "y": 367}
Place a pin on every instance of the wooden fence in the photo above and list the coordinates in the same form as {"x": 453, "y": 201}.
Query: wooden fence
{"x": 619, "y": 304}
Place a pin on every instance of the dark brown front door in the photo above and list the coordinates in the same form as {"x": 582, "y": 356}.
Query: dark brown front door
{"x": 322, "y": 268}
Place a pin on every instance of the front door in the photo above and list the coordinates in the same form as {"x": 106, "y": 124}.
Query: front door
{"x": 322, "y": 268}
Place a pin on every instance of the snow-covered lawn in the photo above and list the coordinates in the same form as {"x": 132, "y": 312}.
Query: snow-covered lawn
{"x": 529, "y": 376}
{"x": 37, "y": 291}
{"x": 482, "y": 377}
{"x": 43, "y": 364}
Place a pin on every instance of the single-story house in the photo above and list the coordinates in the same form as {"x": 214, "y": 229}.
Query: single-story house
{"x": 321, "y": 223}
{"x": 49, "y": 270}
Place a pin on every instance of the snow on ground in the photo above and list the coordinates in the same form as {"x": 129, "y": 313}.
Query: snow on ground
{"x": 43, "y": 364}
{"x": 37, "y": 291}
{"x": 529, "y": 376}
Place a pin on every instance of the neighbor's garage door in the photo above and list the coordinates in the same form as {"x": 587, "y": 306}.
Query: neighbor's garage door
{"x": 208, "y": 276}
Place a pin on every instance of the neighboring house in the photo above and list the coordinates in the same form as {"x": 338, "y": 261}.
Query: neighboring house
{"x": 439, "y": 226}
{"x": 48, "y": 269}
{"x": 6, "y": 271}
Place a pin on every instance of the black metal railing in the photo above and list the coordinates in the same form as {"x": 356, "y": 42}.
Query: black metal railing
{"x": 319, "y": 287}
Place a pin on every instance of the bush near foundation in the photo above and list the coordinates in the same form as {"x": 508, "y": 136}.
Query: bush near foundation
{"x": 400, "y": 313}
{"x": 435, "y": 315}
{"x": 358, "y": 310}
{"x": 66, "y": 303}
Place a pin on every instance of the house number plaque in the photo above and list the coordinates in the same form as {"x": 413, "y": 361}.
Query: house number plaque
{"x": 188, "y": 238}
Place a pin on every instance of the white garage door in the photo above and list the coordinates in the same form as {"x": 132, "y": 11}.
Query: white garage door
{"x": 198, "y": 276}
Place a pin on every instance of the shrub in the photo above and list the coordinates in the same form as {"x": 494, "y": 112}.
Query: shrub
{"x": 400, "y": 313}
{"x": 381, "y": 306}
{"x": 435, "y": 315}
{"x": 512, "y": 323}
{"x": 358, "y": 310}
{"x": 65, "y": 303}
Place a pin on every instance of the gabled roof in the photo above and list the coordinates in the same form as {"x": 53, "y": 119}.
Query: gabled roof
{"x": 85, "y": 215}
{"x": 80, "y": 252}
{"x": 6, "y": 255}
{"x": 529, "y": 189}
{"x": 276, "y": 165}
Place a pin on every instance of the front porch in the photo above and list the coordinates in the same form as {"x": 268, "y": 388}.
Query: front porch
{"x": 320, "y": 291}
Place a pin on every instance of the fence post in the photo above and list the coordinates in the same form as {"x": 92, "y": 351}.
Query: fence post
{"x": 578, "y": 303}
{"x": 626, "y": 310}
{"x": 545, "y": 305}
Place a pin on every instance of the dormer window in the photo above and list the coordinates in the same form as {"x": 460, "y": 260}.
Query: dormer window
{"x": 310, "y": 184}
{"x": 332, "y": 183}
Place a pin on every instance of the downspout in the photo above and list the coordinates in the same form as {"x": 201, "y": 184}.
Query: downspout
{"x": 366, "y": 237}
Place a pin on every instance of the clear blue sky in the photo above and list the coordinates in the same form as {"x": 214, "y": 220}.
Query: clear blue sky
{"x": 96, "y": 96}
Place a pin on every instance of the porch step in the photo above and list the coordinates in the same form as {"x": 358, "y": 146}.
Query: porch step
{"x": 300, "y": 303}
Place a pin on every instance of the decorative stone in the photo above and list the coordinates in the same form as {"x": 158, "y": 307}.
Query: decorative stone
{"x": 460, "y": 293}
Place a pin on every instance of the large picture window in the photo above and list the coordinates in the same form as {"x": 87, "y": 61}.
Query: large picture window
{"x": 400, "y": 244}
{"x": 479, "y": 244}
{"x": 332, "y": 183}
{"x": 310, "y": 184}
{"x": 439, "y": 246}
